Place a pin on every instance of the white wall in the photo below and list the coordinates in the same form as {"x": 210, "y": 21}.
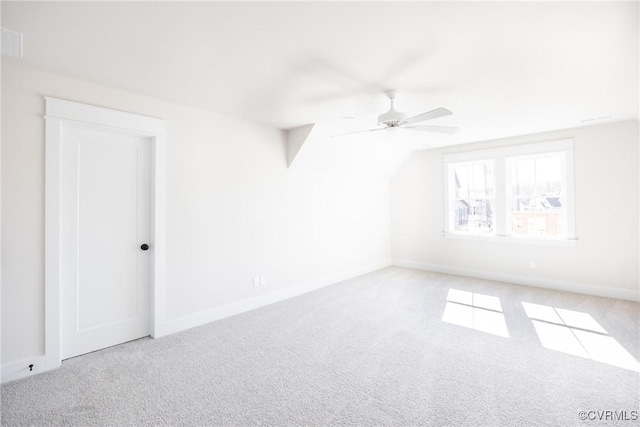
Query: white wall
{"x": 605, "y": 258}
{"x": 236, "y": 211}
{"x": 234, "y": 208}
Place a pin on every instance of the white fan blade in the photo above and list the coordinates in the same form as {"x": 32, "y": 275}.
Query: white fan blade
{"x": 358, "y": 131}
{"x": 437, "y": 129}
{"x": 429, "y": 115}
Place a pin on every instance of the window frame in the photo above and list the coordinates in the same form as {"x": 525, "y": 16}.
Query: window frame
{"x": 502, "y": 174}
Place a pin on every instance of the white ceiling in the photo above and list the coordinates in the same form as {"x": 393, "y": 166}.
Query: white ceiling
{"x": 503, "y": 68}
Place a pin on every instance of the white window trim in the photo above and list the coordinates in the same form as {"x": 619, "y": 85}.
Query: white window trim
{"x": 551, "y": 241}
{"x": 499, "y": 155}
{"x": 511, "y": 151}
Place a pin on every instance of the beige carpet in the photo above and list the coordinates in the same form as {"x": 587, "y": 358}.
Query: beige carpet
{"x": 394, "y": 347}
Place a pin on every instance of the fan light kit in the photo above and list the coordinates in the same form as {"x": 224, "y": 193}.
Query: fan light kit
{"x": 397, "y": 119}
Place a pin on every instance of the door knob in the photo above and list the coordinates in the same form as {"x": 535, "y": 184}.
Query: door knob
{"x": 144, "y": 247}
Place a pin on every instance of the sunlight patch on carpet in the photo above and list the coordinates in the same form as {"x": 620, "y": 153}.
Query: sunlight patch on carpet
{"x": 578, "y": 334}
{"x": 475, "y": 311}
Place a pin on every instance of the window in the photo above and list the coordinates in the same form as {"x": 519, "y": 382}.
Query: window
{"x": 536, "y": 196}
{"x": 522, "y": 192}
{"x": 472, "y": 202}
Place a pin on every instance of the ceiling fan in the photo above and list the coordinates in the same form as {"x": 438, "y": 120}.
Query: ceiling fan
{"x": 396, "y": 119}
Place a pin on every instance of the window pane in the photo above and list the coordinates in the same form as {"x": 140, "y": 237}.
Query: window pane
{"x": 479, "y": 182}
{"x": 489, "y": 180}
{"x": 470, "y": 197}
{"x": 524, "y": 183}
{"x": 548, "y": 176}
{"x": 473, "y": 215}
{"x": 537, "y": 209}
{"x": 474, "y": 181}
{"x": 482, "y": 180}
{"x": 462, "y": 182}
{"x": 460, "y": 210}
{"x": 537, "y": 216}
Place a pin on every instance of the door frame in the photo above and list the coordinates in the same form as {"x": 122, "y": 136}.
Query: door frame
{"x": 58, "y": 114}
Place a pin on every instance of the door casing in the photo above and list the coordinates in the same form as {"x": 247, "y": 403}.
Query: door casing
{"x": 60, "y": 113}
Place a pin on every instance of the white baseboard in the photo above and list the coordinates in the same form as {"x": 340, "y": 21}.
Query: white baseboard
{"x": 20, "y": 369}
{"x": 558, "y": 285}
{"x": 204, "y": 317}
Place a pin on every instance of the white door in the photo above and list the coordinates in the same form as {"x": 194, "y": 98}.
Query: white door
{"x": 105, "y": 221}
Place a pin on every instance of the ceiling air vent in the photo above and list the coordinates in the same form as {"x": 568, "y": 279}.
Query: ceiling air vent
{"x": 11, "y": 43}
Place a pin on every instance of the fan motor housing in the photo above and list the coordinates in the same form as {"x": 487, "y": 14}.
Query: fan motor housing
{"x": 392, "y": 118}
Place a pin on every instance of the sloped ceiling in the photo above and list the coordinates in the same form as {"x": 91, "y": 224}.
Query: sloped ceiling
{"x": 503, "y": 68}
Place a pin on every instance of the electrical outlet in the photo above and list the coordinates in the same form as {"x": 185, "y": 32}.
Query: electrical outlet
{"x": 263, "y": 281}
{"x": 256, "y": 282}
{"x": 532, "y": 265}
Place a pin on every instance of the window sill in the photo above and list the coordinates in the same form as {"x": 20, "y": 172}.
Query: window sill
{"x": 567, "y": 242}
